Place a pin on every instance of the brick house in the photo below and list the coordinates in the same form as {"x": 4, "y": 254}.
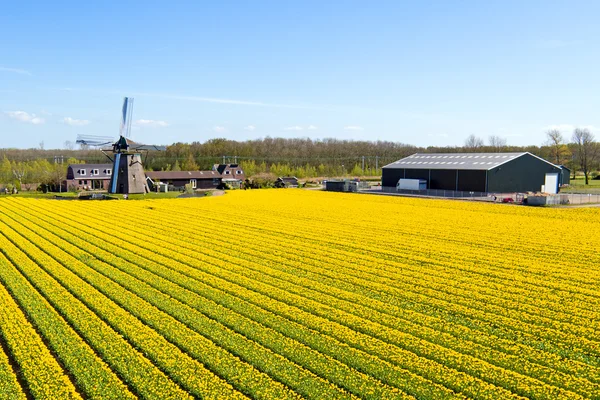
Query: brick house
{"x": 232, "y": 174}
{"x": 88, "y": 176}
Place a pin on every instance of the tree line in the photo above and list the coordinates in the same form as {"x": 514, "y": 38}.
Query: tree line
{"x": 33, "y": 174}
{"x": 300, "y": 157}
{"x": 580, "y": 154}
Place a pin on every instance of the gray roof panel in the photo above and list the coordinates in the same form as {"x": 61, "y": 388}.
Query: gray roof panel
{"x": 471, "y": 161}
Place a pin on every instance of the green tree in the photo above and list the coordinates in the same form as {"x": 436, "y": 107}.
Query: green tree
{"x": 190, "y": 164}
{"x": 176, "y": 167}
{"x": 357, "y": 171}
{"x": 6, "y": 175}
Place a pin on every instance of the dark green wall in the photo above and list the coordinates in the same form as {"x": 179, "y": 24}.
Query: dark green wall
{"x": 524, "y": 174}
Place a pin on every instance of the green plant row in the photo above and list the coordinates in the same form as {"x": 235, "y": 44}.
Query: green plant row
{"x": 134, "y": 367}
{"x": 9, "y": 384}
{"x": 161, "y": 333}
{"x": 43, "y": 374}
{"x": 312, "y": 277}
{"x": 442, "y": 374}
{"x": 306, "y": 384}
{"x": 426, "y": 353}
{"x": 281, "y": 368}
{"x": 91, "y": 374}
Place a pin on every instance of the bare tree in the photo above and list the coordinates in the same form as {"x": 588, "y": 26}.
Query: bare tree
{"x": 586, "y": 151}
{"x": 41, "y": 144}
{"x": 559, "y": 152}
{"x": 473, "y": 142}
{"x": 69, "y": 145}
{"x": 19, "y": 171}
{"x": 497, "y": 143}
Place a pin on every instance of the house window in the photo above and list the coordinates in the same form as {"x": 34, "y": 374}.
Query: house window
{"x": 193, "y": 183}
{"x": 95, "y": 172}
{"x": 81, "y": 182}
{"x": 108, "y": 171}
{"x": 82, "y": 172}
{"x": 227, "y": 172}
{"x": 85, "y": 182}
{"x": 239, "y": 172}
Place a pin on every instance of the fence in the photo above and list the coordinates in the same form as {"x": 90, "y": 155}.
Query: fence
{"x": 567, "y": 198}
{"x": 436, "y": 192}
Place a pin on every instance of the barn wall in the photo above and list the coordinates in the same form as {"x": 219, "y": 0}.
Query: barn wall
{"x": 391, "y": 176}
{"x": 418, "y": 174}
{"x": 444, "y": 179}
{"x": 523, "y": 174}
{"x": 471, "y": 180}
{"x": 565, "y": 176}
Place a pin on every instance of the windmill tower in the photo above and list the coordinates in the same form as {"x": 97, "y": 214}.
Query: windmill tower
{"x": 128, "y": 175}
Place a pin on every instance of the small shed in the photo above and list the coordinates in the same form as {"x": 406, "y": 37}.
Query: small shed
{"x": 287, "y": 182}
{"x": 565, "y": 175}
{"x": 335, "y": 186}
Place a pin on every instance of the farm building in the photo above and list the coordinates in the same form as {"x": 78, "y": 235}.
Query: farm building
{"x": 473, "y": 172}
{"x": 88, "y": 176}
{"x": 565, "y": 175}
{"x": 178, "y": 179}
{"x": 287, "y": 182}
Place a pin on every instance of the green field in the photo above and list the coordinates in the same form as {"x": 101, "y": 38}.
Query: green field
{"x": 578, "y": 186}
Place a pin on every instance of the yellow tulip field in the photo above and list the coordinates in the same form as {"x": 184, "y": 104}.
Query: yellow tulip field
{"x": 288, "y": 294}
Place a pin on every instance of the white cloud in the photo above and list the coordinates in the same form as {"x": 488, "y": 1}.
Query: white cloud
{"x": 25, "y": 117}
{"x": 219, "y": 129}
{"x": 250, "y": 128}
{"x": 312, "y": 128}
{"x": 353, "y": 128}
{"x": 75, "y": 122}
{"x": 151, "y": 123}
{"x": 293, "y": 128}
{"x": 16, "y": 71}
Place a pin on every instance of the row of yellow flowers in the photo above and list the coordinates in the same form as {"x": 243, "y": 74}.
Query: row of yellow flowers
{"x": 9, "y": 385}
{"x": 42, "y": 373}
{"x": 406, "y": 297}
{"x": 279, "y": 367}
{"x": 531, "y": 390}
{"x": 92, "y": 375}
{"x": 511, "y": 362}
{"x": 131, "y": 365}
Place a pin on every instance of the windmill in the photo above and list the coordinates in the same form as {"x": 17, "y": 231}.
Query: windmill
{"x": 128, "y": 175}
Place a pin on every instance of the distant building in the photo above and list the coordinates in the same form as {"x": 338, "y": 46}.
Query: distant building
{"x": 178, "y": 179}
{"x": 232, "y": 174}
{"x": 475, "y": 172}
{"x": 287, "y": 182}
{"x": 88, "y": 176}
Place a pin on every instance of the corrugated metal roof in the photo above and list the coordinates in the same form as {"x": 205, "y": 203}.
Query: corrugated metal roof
{"x": 174, "y": 175}
{"x": 473, "y": 161}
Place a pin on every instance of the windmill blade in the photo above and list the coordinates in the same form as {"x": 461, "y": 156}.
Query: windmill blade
{"x": 148, "y": 147}
{"x": 93, "y": 140}
{"x": 126, "y": 114}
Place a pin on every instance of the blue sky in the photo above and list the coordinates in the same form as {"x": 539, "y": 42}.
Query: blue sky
{"x": 425, "y": 73}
